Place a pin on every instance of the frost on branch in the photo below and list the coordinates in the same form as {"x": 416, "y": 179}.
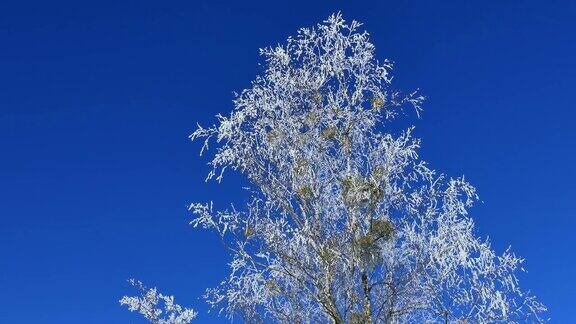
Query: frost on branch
{"x": 156, "y": 307}
{"x": 346, "y": 223}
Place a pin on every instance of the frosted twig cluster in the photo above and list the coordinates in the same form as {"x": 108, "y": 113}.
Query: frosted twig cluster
{"x": 156, "y": 307}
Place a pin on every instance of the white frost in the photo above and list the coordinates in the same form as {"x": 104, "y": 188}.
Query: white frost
{"x": 346, "y": 222}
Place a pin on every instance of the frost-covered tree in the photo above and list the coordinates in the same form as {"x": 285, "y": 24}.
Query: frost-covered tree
{"x": 156, "y": 307}
{"x": 346, "y": 224}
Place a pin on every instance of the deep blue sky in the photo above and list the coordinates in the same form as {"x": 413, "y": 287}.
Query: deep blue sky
{"x": 97, "y": 99}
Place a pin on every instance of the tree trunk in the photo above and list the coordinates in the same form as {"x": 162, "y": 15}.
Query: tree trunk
{"x": 367, "y": 301}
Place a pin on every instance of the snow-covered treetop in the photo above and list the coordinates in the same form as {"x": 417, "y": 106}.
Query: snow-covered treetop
{"x": 346, "y": 222}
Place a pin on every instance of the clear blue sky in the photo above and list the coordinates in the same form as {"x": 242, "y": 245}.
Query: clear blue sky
{"x": 97, "y": 99}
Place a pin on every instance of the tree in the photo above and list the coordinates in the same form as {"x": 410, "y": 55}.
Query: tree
{"x": 147, "y": 305}
{"x": 346, "y": 224}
